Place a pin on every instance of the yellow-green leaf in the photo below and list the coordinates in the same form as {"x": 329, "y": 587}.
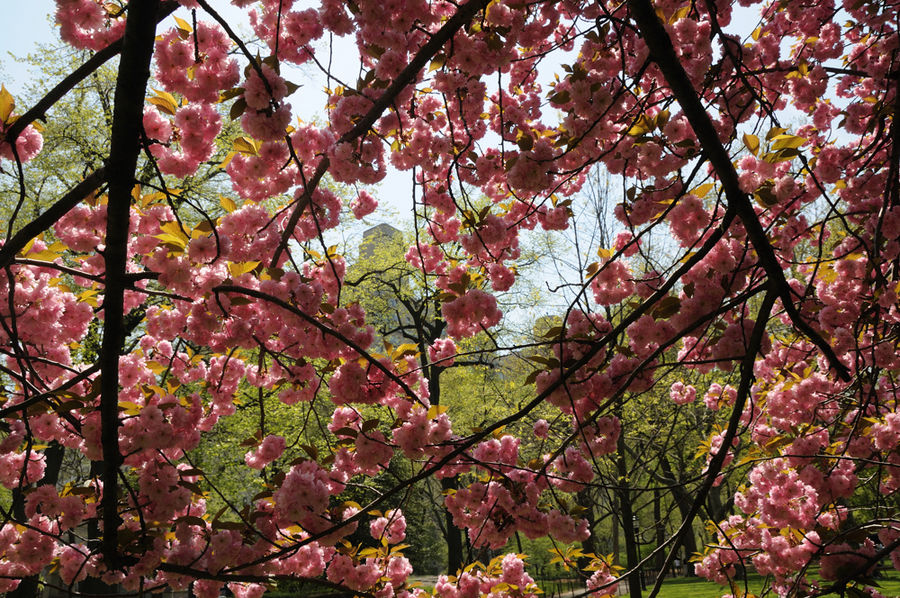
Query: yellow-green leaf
{"x": 129, "y": 408}
{"x": 90, "y": 297}
{"x": 174, "y": 229}
{"x": 438, "y": 62}
{"x": 641, "y": 126}
{"x": 165, "y": 101}
{"x": 681, "y": 13}
{"x": 7, "y": 103}
{"x": 524, "y": 141}
{"x": 49, "y": 254}
{"x": 701, "y": 191}
{"x": 787, "y": 141}
{"x": 560, "y": 97}
{"x": 246, "y": 145}
{"x": 405, "y": 349}
{"x": 774, "y": 131}
{"x": 175, "y": 243}
{"x": 436, "y": 410}
{"x": 227, "y": 204}
{"x": 183, "y": 25}
{"x": 238, "y": 108}
{"x": 752, "y": 143}
{"x": 238, "y": 268}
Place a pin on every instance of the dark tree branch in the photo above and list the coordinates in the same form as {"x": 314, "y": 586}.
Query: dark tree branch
{"x": 134, "y": 72}
{"x": 59, "y": 209}
{"x": 718, "y": 460}
{"x": 663, "y": 53}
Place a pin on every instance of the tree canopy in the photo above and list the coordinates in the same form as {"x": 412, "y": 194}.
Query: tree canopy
{"x": 183, "y": 286}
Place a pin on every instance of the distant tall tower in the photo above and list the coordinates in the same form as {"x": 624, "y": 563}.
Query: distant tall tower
{"x": 378, "y": 236}
{"x": 382, "y": 251}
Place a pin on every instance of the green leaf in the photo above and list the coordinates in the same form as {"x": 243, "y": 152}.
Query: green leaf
{"x": 667, "y": 307}
{"x": 191, "y": 520}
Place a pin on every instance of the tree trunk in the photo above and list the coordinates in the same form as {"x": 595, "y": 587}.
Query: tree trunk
{"x": 660, "y": 529}
{"x": 28, "y": 587}
{"x": 451, "y": 533}
{"x": 616, "y": 549}
{"x": 125, "y": 146}
{"x": 589, "y": 546}
{"x": 683, "y": 500}
{"x": 631, "y": 547}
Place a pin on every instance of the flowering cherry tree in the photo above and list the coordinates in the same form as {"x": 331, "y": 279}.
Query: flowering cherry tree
{"x": 769, "y": 159}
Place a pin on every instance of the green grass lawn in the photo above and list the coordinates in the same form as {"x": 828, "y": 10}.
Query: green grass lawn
{"x": 693, "y": 587}
{"x": 673, "y": 587}
{"x": 697, "y": 588}
{"x": 680, "y": 587}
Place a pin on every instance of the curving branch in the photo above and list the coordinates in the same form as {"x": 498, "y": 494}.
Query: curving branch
{"x": 59, "y": 209}
{"x": 663, "y": 53}
{"x": 715, "y": 465}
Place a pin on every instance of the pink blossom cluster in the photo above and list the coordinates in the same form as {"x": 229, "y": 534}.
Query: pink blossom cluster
{"x": 603, "y": 580}
{"x": 470, "y": 313}
{"x": 511, "y": 501}
{"x": 421, "y": 432}
{"x": 296, "y": 29}
{"x": 268, "y": 450}
{"x": 391, "y": 527}
{"x": 507, "y": 569}
{"x": 442, "y": 352}
{"x": 27, "y": 145}
{"x": 89, "y": 24}
{"x": 194, "y": 128}
{"x": 268, "y": 173}
{"x": 197, "y": 65}
{"x": 304, "y": 495}
{"x": 364, "y": 204}
{"x": 386, "y": 578}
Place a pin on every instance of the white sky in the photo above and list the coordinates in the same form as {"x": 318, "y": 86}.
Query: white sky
{"x": 19, "y": 30}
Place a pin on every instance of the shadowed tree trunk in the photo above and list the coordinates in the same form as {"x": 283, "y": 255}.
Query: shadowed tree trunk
{"x": 28, "y": 588}
{"x": 683, "y": 501}
{"x": 627, "y": 514}
{"x": 660, "y": 527}
{"x": 589, "y": 546}
{"x": 131, "y": 84}
{"x": 452, "y": 535}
